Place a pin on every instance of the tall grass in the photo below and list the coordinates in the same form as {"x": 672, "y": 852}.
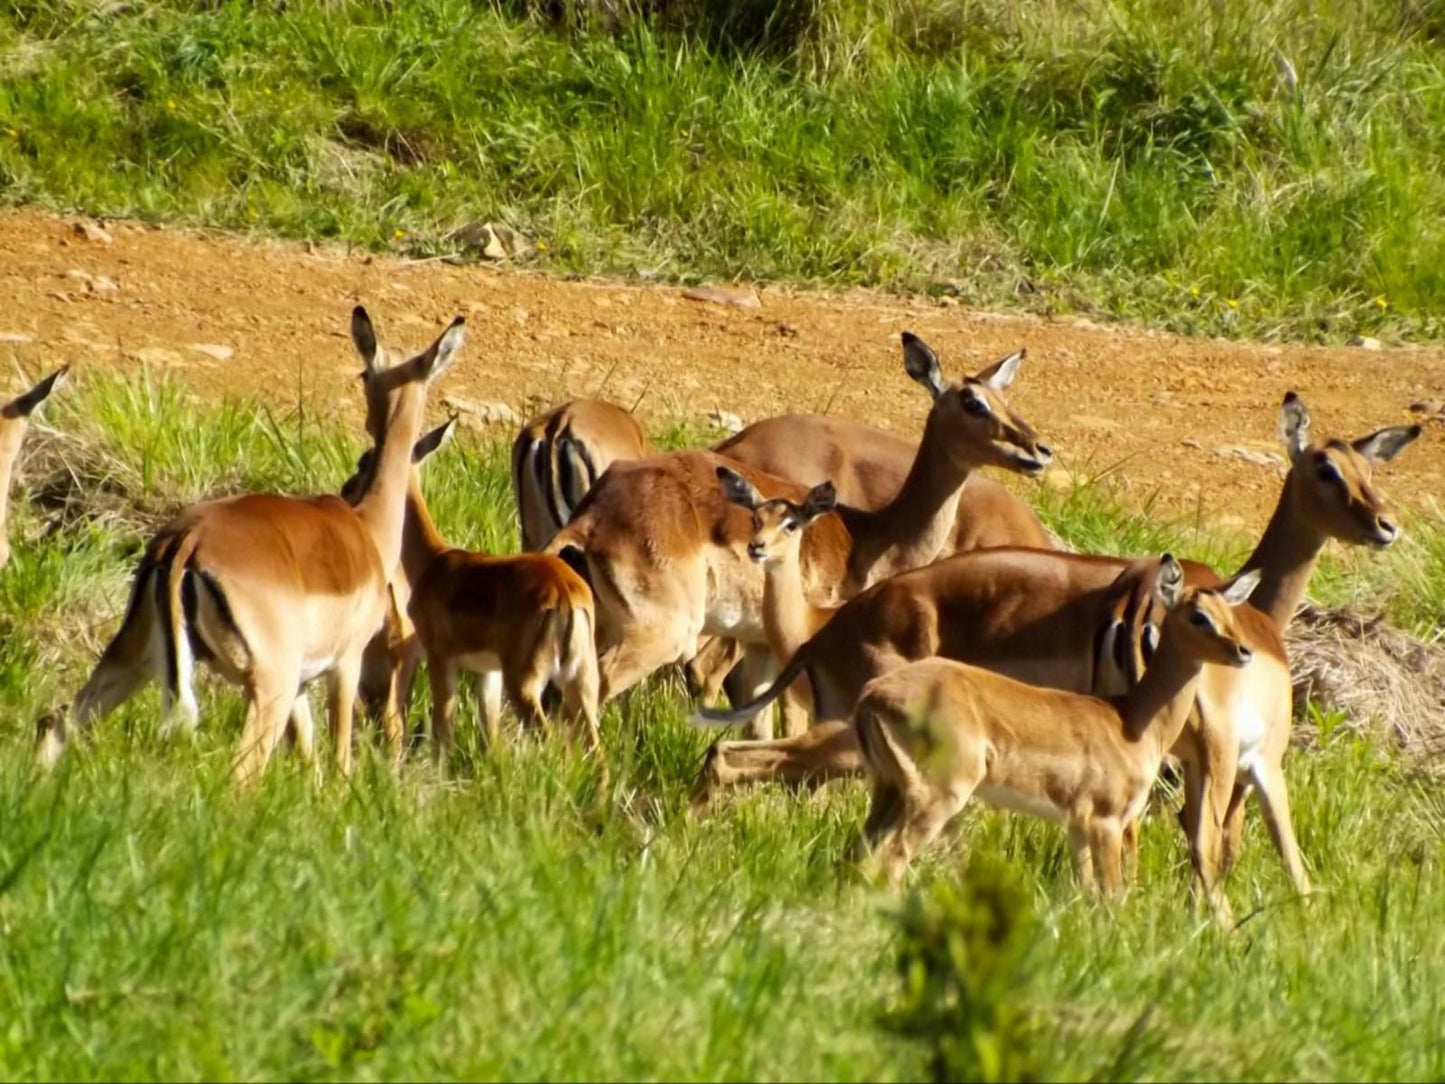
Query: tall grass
{"x": 512, "y": 922}
{"x": 1218, "y": 166}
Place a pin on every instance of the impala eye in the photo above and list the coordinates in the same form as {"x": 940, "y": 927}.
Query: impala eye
{"x": 791, "y": 525}
{"x": 1200, "y": 620}
{"x": 972, "y": 404}
{"x": 1327, "y": 471}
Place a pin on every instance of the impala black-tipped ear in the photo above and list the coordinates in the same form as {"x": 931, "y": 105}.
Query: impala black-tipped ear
{"x": 1238, "y": 592}
{"x": 363, "y": 336}
{"x": 1001, "y": 373}
{"x": 434, "y": 441}
{"x": 443, "y": 352}
{"x": 821, "y": 499}
{"x": 738, "y": 489}
{"x": 1294, "y": 424}
{"x": 1170, "y": 584}
{"x": 921, "y": 364}
{"x": 1385, "y": 444}
{"x": 24, "y": 405}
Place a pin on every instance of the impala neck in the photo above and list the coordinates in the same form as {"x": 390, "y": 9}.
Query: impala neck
{"x": 912, "y": 529}
{"x": 789, "y": 619}
{"x": 1156, "y": 709}
{"x": 1286, "y": 557}
{"x": 382, "y": 508}
{"x": 421, "y": 542}
{"x": 11, "y": 434}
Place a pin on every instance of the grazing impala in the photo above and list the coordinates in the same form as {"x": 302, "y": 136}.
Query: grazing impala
{"x": 664, "y": 549}
{"x": 558, "y": 456}
{"x": 273, "y": 592}
{"x": 934, "y": 733}
{"x": 1043, "y": 617}
{"x": 520, "y": 622}
{"x": 14, "y": 420}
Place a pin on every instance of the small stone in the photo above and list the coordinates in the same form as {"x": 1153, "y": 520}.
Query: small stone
{"x": 80, "y": 276}
{"x": 1364, "y": 342}
{"x": 787, "y": 331}
{"x": 213, "y": 350}
{"x": 1263, "y": 459}
{"x": 16, "y": 337}
{"x": 483, "y": 413}
{"x": 741, "y": 299}
{"x": 102, "y": 285}
{"x": 1190, "y": 442}
{"x": 92, "y": 231}
{"x": 1086, "y": 421}
{"x": 725, "y": 420}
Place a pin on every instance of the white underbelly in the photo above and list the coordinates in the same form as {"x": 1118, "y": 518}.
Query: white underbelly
{"x": 1019, "y": 802}
{"x": 480, "y": 662}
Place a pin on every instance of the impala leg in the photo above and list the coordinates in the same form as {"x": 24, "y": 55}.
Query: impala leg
{"x": 302, "y": 729}
{"x": 398, "y": 702}
{"x": 579, "y": 706}
{"x": 1105, "y": 836}
{"x": 1130, "y": 841}
{"x": 827, "y": 751}
{"x": 268, "y": 707}
{"x": 490, "y": 694}
{"x": 443, "y": 675}
{"x": 1207, "y": 783}
{"x": 924, "y": 814}
{"x": 1081, "y": 857}
{"x": 885, "y": 817}
{"x": 706, "y": 670}
{"x": 1234, "y": 824}
{"x": 1274, "y": 803}
{"x": 341, "y": 700}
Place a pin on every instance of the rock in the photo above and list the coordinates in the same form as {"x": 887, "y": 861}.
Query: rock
{"x": 1364, "y": 342}
{"x": 16, "y": 337}
{"x": 1263, "y": 459}
{"x": 213, "y": 350}
{"x": 740, "y": 299}
{"x": 157, "y": 355}
{"x": 92, "y": 231}
{"x": 493, "y": 240}
{"x": 102, "y": 285}
{"x": 725, "y": 420}
{"x": 483, "y": 413}
{"x": 1190, "y": 442}
{"x": 1086, "y": 421}
{"x": 787, "y": 331}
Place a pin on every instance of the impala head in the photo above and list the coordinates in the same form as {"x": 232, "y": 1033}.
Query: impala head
{"x": 438, "y": 438}
{"x": 778, "y": 524}
{"x": 1331, "y": 482}
{"x": 392, "y": 388}
{"x": 1205, "y": 621}
{"x": 979, "y": 427}
{"x": 14, "y": 420}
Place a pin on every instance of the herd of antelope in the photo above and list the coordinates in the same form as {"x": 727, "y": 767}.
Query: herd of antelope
{"x": 942, "y": 641}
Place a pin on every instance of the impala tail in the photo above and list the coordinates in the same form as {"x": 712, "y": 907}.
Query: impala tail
{"x": 790, "y": 674}
{"x": 178, "y": 679}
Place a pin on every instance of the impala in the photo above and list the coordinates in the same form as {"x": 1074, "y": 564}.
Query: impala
{"x": 520, "y": 622}
{"x": 1043, "y": 618}
{"x": 272, "y": 591}
{"x": 937, "y": 732}
{"x": 558, "y": 456}
{"x": 14, "y": 421}
{"x": 664, "y": 549}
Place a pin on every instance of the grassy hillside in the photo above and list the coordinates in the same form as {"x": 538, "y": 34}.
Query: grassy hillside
{"x": 514, "y": 922}
{"x": 1223, "y": 166}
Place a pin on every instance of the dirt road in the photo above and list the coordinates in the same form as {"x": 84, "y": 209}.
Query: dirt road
{"x": 1193, "y": 418}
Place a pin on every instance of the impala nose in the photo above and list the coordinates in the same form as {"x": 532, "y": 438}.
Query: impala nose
{"x": 755, "y": 551}
{"x": 1043, "y": 452}
{"x": 1385, "y": 530}
{"x": 1243, "y": 654}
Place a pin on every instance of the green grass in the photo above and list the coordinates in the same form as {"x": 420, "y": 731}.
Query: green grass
{"x": 1136, "y": 159}
{"x": 513, "y": 922}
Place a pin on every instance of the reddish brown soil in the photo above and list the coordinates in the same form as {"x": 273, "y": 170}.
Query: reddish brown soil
{"x": 1166, "y": 412}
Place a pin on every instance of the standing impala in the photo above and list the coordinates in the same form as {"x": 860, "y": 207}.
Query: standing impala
{"x": 519, "y": 621}
{"x": 934, "y": 733}
{"x": 1041, "y": 617}
{"x": 664, "y": 549}
{"x": 272, "y": 591}
{"x": 14, "y": 420}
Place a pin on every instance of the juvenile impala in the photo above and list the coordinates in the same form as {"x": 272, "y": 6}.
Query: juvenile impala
{"x": 272, "y": 591}
{"x": 520, "y": 622}
{"x": 664, "y": 550}
{"x": 936, "y": 732}
{"x": 14, "y": 421}
{"x": 1043, "y": 618}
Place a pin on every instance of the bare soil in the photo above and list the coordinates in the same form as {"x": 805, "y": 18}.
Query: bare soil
{"x": 1193, "y": 419}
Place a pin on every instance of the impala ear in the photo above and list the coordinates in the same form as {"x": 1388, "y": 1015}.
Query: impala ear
{"x": 1385, "y": 445}
{"x": 443, "y": 352}
{"x": 363, "y": 335}
{"x": 434, "y": 441}
{"x": 1238, "y": 592}
{"x": 1294, "y": 424}
{"x": 1001, "y": 373}
{"x": 1170, "y": 583}
{"x": 921, "y": 364}
{"x": 24, "y": 405}
{"x": 738, "y": 489}
{"x": 821, "y": 499}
